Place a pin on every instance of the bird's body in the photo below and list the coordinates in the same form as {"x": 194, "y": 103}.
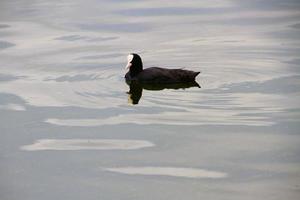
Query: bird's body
{"x": 156, "y": 75}
{"x": 163, "y": 75}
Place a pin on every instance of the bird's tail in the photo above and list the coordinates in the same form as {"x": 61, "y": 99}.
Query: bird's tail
{"x": 195, "y": 74}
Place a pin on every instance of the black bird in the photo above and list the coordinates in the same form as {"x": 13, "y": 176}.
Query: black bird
{"x": 156, "y": 75}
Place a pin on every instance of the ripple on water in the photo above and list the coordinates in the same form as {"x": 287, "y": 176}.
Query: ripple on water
{"x": 2, "y": 26}
{"x": 9, "y": 77}
{"x": 5, "y": 45}
{"x": 169, "y": 171}
{"x": 12, "y": 106}
{"x": 72, "y": 38}
{"x": 169, "y": 118}
{"x": 86, "y": 144}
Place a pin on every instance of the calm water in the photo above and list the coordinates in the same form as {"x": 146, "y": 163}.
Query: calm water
{"x": 68, "y": 130}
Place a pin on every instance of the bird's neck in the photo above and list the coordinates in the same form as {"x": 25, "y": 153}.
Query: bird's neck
{"x": 135, "y": 70}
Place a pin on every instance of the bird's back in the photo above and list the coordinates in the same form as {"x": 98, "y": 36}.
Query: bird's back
{"x": 163, "y": 75}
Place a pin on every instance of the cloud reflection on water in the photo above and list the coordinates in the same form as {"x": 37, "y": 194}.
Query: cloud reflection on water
{"x": 169, "y": 171}
{"x": 86, "y": 144}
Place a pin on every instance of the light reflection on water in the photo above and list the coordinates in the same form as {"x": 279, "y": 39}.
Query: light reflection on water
{"x": 62, "y": 63}
{"x": 86, "y": 144}
{"x": 169, "y": 171}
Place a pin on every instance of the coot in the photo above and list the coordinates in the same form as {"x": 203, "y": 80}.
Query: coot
{"x": 156, "y": 74}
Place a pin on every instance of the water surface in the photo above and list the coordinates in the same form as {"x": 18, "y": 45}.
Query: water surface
{"x": 68, "y": 129}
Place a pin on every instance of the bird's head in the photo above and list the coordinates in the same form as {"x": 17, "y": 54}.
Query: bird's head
{"x": 134, "y": 64}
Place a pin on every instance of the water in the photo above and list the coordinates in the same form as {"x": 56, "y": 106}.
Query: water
{"x": 68, "y": 130}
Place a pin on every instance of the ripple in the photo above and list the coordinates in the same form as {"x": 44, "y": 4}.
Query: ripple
{"x": 169, "y": 171}
{"x": 4, "y": 45}
{"x": 124, "y": 27}
{"x": 86, "y": 144}
{"x": 105, "y": 56}
{"x": 12, "y": 106}
{"x": 285, "y": 84}
{"x": 208, "y": 117}
{"x": 71, "y": 38}
{"x": 74, "y": 78}
{"x": 297, "y": 26}
{"x": 167, "y": 11}
{"x": 2, "y": 26}
{"x": 8, "y": 77}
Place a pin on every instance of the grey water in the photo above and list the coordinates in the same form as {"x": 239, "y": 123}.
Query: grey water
{"x": 69, "y": 128}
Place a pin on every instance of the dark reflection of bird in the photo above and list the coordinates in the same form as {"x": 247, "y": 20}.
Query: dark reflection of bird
{"x": 156, "y": 74}
{"x": 135, "y": 93}
{"x": 136, "y": 89}
{"x": 155, "y": 78}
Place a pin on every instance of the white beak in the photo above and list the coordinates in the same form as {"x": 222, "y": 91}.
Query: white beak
{"x": 128, "y": 66}
{"x": 129, "y": 59}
